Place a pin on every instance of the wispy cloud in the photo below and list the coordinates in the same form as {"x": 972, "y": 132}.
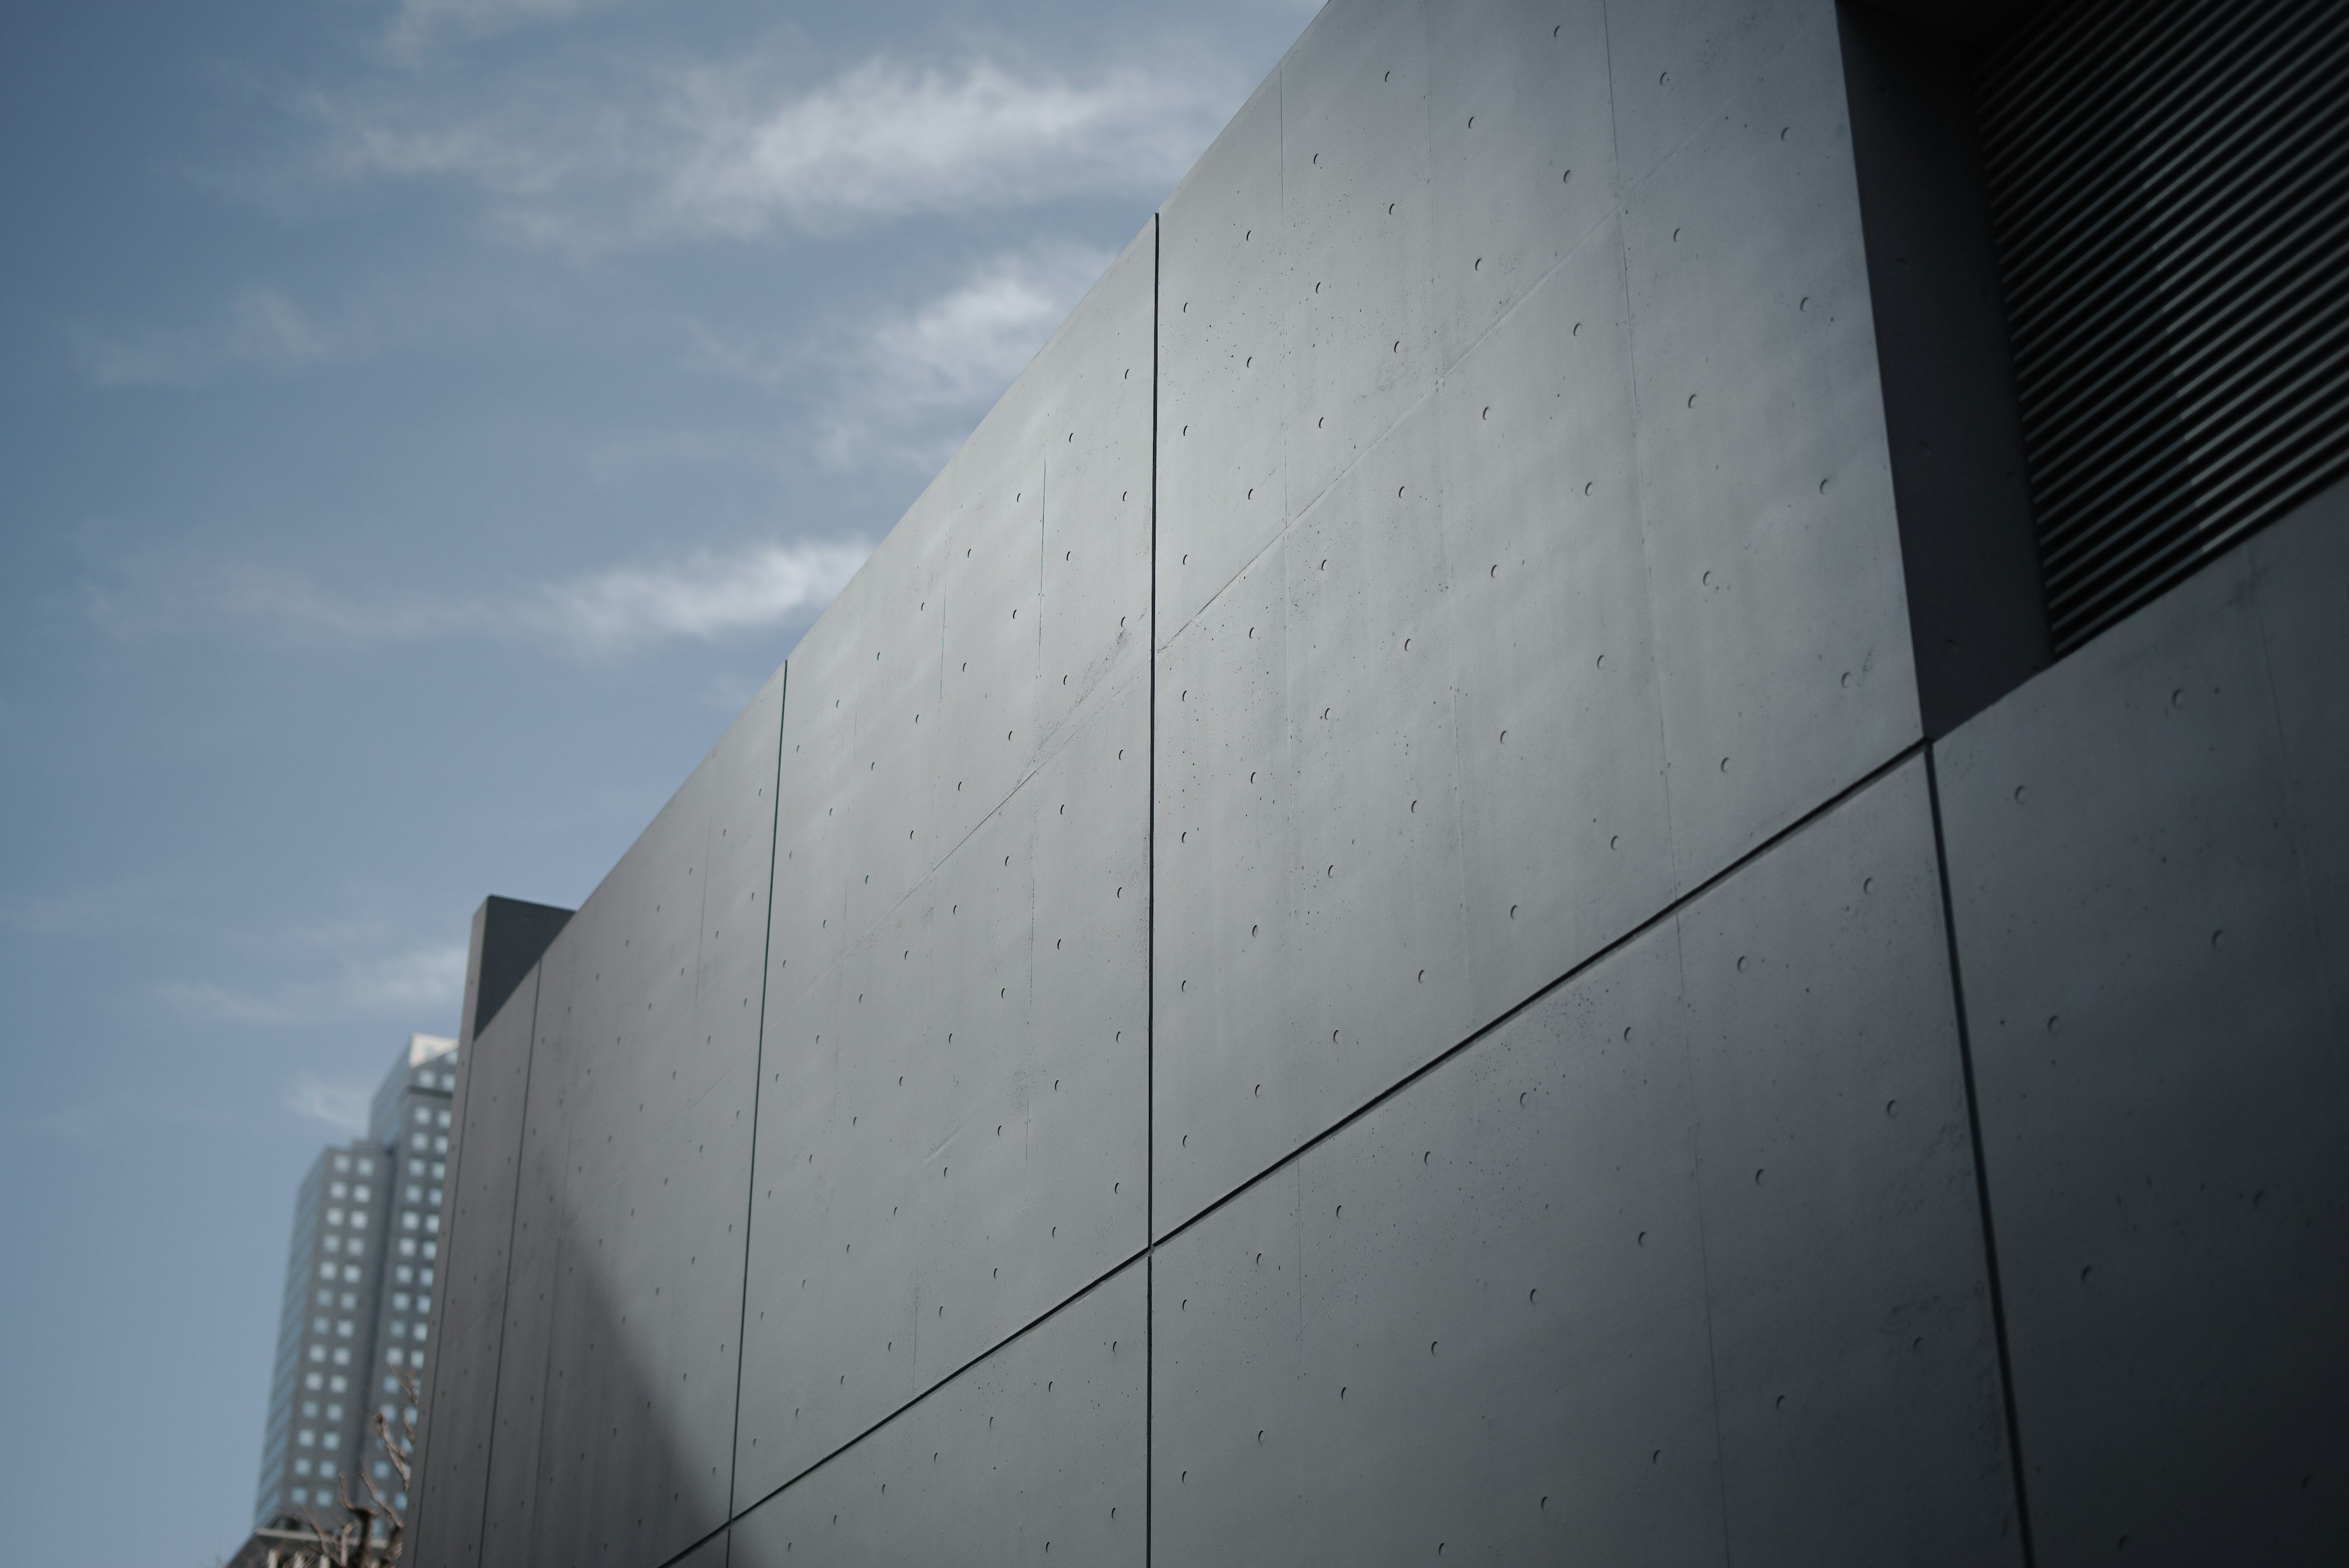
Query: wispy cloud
{"x": 965, "y": 347}
{"x": 421, "y": 979}
{"x": 656, "y": 152}
{"x": 340, "y": 1106}
{"x": 913, "y": 382}
{"x": 705, "y": 595}
{"x": 262, "y": 329}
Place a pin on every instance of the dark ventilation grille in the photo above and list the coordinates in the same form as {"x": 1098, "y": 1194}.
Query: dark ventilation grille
{"x": 2170, "y": 185}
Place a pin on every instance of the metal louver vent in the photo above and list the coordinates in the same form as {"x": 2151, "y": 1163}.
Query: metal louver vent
{"x": 2169, "y": 181}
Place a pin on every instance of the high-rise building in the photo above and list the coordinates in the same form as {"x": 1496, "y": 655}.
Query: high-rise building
{"x": 358, "y": 1292}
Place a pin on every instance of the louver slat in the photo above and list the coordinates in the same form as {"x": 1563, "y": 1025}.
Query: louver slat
{"x": 2169, "y": 181}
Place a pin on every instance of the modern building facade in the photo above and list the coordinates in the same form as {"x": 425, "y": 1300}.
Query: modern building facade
{"x": 1601, "y": 827}
{"x": 359, "y": 1294}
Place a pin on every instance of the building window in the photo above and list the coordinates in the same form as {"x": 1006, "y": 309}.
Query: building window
{"x": 334, "y": 1412}
{"x": 362, "y": 1192}
{"x": 441, "y": 1144}
{"x": 420, "y": 1142}
{"x": 342, "y": 1355}
{"x": 415, "y": 1194}
{"x": 334, "y": 1216}
{"x": 349, "y": 1300}
{"x": 404, "y": 1274}
{"x": 336, "y": 1383}
{"x": 394, "y": 1356}
{"x": 301, "y": 1494}
{"x": 326, "y": 1271}
{"x": 318, "y": 1325}
{"x": 432, "y": 1224}
{"x": 407, "y": 1246}
{"x": 365, "y": 1166}
{"x": 358, "y": 1222}
{"x": 398, "y": 1329}
{"x": 423, "y": 1117}
{"x": 400, "y": 1301}
{"x": 438, "y": 1171}
{"x": 433, "y": 1198}
{"x": 419, "y": 1331}
{"x": 441, "y": 1119}
{"x": 342, "y": 1162}
{"x": 334, "y": 1243}
{"x": 351, "y": 1273}
{"x": 338, "y": 1189}
{"x": 310, "y": 1380}
{"x": 305, "y": 1438}
{"x": 343, "y": 1329}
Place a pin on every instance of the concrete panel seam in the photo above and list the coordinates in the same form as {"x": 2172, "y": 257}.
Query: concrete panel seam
{"x": 1669, "y": 912}
{"x": 1025, "y": 1329}
{"x": 497, "y": 1365}
{"x": 1150, "y": 920}
{"x": 758, "y": 1076}
{"x": 1982, "y": 1172}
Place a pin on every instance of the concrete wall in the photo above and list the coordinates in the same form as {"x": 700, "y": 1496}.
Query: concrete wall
{"x": 1351, "y": 944}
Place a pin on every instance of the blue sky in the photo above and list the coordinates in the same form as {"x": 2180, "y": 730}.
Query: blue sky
{"x": 423, "y": 423}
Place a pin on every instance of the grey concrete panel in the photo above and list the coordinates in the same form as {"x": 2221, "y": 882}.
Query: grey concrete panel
{"x": 1353, "y": 964}
{"x": 509, "y": 936}
{"x": 956, "y": 1138}
{"x": 657, "y": 1046}
{"x": 1362, "y": 342}
{"x": 1566, "y": 839}
{"x": 1521, "y": 150}
{"x": 1035, "y": 1454}
{"x": 1097, "y": 437}
{"x": 509, "y": 1511}
{"x": 1381, "y": 976}
{"x": 941, "y": 676}
{"x": 1471, "y": 1325}
{"x": 494, "y": 1079}
{"x": 1854, "y": 1350}
{"x": 1679, "y": 64}
{"x": 1222, "y": 330}
{"x": 2301, "y": 568}
{"x": 1224, "y": 846}
{"x": 1774, "y": 556}
{"x": 2155, "y": 1010}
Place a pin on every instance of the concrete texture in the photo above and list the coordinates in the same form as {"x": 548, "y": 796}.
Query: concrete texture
{"x": 1384, "y": 928}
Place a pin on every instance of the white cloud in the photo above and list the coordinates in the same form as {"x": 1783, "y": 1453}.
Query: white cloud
{"x": 421, "y": 980}
{"x": 887, "y": 139}
{"x": 911, "y": 384}
{"x": 341, "y": 1106}
{"x": 705, "y": 595}
{"x": 654, "y": 152}
{"x": 262, "y": 329}
{"x": 966, "y": 347}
